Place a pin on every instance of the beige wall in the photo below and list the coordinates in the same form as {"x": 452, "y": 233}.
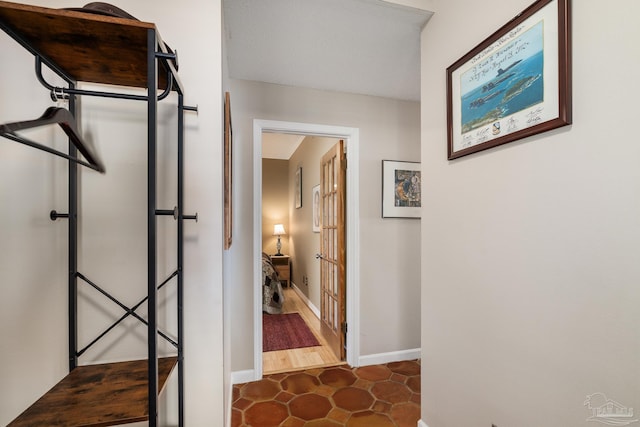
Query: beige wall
{"x": 275, "y": 204}
{"x": 530, "y": 265}
{"x": 306, "y": 243}
{"x": 389, "y": 129}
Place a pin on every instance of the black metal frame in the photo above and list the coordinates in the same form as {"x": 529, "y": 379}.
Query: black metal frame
{"x": 173, "y": 83}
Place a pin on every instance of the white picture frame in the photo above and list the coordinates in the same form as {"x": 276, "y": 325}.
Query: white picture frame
{"x": 401, "y": 189}
{"x": 315, "y": 202}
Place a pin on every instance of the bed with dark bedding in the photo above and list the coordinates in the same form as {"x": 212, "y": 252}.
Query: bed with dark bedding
{"x": 272, "y": 297}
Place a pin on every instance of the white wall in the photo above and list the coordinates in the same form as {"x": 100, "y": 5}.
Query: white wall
{"x": 33, "y": 267}
{"x": 388, "y": 130}
{"x": 113, "y": 245}
{"x": 530, "y": 278}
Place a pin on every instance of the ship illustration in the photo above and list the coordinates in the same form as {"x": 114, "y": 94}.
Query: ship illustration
{"x": 492, "y": 84}
{"x": 501, "y": 71}
{"x": 500, "y": 77}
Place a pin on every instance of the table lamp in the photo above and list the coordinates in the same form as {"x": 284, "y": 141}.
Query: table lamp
{"x": 278, "y": 230}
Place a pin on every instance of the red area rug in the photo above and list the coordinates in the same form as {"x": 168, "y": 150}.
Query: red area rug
{"x": 285, "y": 331}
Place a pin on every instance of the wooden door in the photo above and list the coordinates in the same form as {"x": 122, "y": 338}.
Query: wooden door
{"x": 332, "y": 248}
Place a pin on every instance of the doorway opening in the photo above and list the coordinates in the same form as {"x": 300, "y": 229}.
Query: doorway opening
{"x": 351, "y": 138}
{"x": 303, "y": 296}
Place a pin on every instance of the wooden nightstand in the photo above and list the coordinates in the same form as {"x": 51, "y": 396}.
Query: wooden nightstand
{"x": 283, "y": 267}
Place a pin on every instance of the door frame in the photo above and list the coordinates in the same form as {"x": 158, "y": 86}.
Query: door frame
{"x": 351, "y": 137}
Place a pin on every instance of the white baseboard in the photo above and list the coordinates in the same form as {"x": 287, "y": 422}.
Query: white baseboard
{"x": 306, "y": 300}
{"x": 241, "y": 377}
{"x": 394, "y": 356}
{"x": 422, "y": 424}
{"x": 373, "y": 359}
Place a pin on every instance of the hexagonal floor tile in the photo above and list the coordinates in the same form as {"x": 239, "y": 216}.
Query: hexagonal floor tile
{"x": 390, "y": 391}
{"x": 300, "y": 383}
{"x": 337, "y": 377}
{"x": 353, "y": 399}
{"x": 414, "y": 384}
{"x": 310, "y": 406}
{"x": 293, "y": 422}
{"x": 405, "y": 414}
{"x": 408, "y": 367}
{"x": 266, "y": 414}
{"x": 264, "y": 389}
{"x": 369, "y": 419}
{"x": 373, "y": 373}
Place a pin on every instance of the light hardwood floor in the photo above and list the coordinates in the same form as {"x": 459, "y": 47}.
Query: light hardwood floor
{"x": 300, "y": 358}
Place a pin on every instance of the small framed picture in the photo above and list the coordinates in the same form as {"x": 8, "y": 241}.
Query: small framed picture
{"x": 401, "y": 189}
{"x": 298, "y": 188}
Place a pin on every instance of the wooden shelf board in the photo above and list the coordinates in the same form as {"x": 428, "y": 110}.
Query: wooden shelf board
{"x": 88, "y": 47}
{"x": 97, "y": 395}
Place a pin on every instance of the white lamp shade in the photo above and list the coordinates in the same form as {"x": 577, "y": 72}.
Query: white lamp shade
{"x": 278, "y": 230}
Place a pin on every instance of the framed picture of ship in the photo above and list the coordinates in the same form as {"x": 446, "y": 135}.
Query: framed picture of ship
{"x": 515, "y": 84}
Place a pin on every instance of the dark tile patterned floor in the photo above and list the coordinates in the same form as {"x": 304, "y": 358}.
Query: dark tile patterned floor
{"x": 370, "y": 396}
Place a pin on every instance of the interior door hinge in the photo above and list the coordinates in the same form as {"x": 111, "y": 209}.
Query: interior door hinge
{"x": 344, "y": 327}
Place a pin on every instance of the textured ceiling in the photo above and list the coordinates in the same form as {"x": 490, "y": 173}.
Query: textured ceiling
{"x": 369, "y": 47}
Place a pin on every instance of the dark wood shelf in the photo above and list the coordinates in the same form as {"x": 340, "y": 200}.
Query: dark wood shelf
{"x": 85, "y": 46}
{"x": 97, "y": 395}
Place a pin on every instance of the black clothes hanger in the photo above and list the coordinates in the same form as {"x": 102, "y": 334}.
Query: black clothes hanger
{"x": 63, "y": 118}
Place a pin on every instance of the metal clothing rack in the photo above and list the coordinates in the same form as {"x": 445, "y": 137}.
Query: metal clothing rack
{"x": 81, "y": 46}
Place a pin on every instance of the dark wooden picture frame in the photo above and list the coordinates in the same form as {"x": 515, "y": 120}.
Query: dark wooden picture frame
{"x": 515, "y": 84}
{"x": 228, "y": 173}
{"x": 297, "y": 202}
